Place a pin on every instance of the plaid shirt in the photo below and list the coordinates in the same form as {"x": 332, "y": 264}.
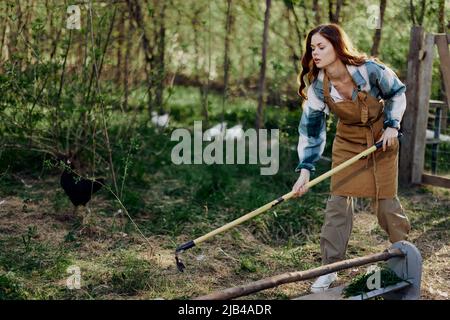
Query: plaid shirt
{"x": 377, "y": 79}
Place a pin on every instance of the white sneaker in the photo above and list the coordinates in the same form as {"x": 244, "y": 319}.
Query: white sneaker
{"x": 323, "y": 282}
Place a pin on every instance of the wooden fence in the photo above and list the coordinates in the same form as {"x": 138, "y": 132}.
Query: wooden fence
{"x": 415, "y": 120}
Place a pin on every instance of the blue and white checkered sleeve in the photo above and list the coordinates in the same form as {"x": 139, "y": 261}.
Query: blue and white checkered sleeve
{"x": 392, "y": 90}
{"x": 312, "y": 132}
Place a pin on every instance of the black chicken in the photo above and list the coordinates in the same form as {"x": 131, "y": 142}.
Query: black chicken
{"x": 79, "y": 190}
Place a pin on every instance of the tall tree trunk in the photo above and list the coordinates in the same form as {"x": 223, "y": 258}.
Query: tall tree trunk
{"x": 49, "y": 20}
{"x": 241, "y": 62}
{"x": 377, "y": 36}
{"x": 120, "y": 40}
{"x": 330, "y": 10}
{"x": 4, "y": 49}
{"x": 338, "y": 11}
{"x": 86, "y": 52}
{"x": 262, "y": 74}
{"x": 199, "y": 69}
{"x": 160, "y": 70}
{"x": 24, "y": 34}
{"x": 136, "y": 12}
{"x": 194, "y": 22}
{"x": 15, "y": 35}
{"x": 305, "y": 25}
{"x": 412, "y": 12}
{"x": 226, "y": 64}
{"x": 442, "y": 94}
{"x": 441, "y": 16}
{"x": 334, "y": 14}
{"x": 49, "y": 11}
{"x": 316, "y": 9}
{"x": 126, "y": 81}
{"x": 293, "y": 56}
{"x": 204, "y": 89}
{"x": 97, "y": 69}
{"x": 80, "y": 47}
{"x": 422, "y": 12}
{"x": 417, "y": 18}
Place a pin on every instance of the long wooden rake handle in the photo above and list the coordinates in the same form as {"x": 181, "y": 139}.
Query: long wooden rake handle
{"x": 273, "y": 203}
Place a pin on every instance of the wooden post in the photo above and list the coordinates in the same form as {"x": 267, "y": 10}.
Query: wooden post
{"x": 444, "y": 56}
{"x": 423, "y": 99}
{"x": 442, "y": 41}
{"x": 409, "y": 118}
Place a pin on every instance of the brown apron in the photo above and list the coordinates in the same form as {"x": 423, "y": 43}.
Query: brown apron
{"x": 359, "y": 126}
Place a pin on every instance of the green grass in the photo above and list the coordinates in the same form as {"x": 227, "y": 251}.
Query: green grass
{"x": 11, "y": 287}
{"x": 172, "y": 203}
{"x": 358, "y": 286}
{"x": 122, "y": 273}
{"x": 164, "y": 199}
{"x": 28, "y": 255}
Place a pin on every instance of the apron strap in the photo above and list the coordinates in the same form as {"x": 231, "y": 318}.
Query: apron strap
{"x": 362, "y": 96}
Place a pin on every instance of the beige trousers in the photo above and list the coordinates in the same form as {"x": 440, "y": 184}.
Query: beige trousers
{"x": 338, "y": 225}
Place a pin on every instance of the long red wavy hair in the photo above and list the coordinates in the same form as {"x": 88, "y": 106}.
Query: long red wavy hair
{"x": 342, "y": 46}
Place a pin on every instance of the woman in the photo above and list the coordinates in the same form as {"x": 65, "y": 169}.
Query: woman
{"x": 369, "y": 101}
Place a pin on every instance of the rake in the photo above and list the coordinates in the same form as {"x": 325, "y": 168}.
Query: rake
{"x": 254, "y": 213}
